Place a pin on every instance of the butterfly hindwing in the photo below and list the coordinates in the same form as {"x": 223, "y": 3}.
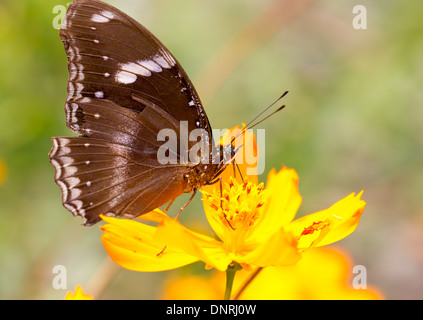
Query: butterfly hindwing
{"x": 114, "y": 168}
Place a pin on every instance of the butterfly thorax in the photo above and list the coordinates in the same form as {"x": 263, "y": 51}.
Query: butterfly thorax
{"x": 200, "y": 175}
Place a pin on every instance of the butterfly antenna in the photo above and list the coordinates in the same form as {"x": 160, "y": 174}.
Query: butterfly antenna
{"x": 277, "y": 110}
{"x": 276, "y": 101}
{"x": 251, "y": 125}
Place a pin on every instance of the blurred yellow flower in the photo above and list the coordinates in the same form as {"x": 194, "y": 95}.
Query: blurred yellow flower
{"x": 78, "y": 295}
{"x": 322, "y": 274}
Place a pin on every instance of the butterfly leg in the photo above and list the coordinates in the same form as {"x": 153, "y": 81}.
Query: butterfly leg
{"x": 168, "y": 206}
{"x": 165, "y": 210}
{"x": 185, "y": 205}
{"x": 177, "y": 216}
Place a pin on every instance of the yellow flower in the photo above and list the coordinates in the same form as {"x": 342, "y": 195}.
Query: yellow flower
{"x": 323, "y": 273}
{"x": 78, "y": 295}
{"x": 254, "y": 227}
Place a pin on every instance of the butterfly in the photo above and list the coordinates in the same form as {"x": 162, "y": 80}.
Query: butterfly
{"x": 125, "y": 87}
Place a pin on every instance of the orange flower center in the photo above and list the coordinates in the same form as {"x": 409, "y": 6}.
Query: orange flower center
{"x": 237, "y": 208}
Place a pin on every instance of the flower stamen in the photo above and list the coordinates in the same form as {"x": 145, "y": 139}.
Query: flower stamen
{"x": 319, "y": 225}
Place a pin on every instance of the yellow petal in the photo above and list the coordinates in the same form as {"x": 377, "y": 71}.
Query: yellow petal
{"x": 156, "y": 215}
{"x": 280, "y": 249}
{"x": 211, "y": 216}
{"x": 330, "y": 225}
{"x": 132, "y": 245}
{"x": 283, "y": 201}
{"x": 194, "y": 244}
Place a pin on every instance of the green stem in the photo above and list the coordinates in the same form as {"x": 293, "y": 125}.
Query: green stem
{"x": 230, "y": 275}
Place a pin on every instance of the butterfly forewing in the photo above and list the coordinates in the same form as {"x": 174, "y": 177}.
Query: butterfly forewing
{"x": 111, "y": 56}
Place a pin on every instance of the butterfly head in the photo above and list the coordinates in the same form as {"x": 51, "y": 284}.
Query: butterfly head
{"x": 224, "y": 156}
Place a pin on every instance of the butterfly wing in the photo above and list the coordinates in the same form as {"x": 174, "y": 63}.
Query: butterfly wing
{"x": 124, "y": 87}
{"x": 113, "y": 169}
{"x": 111, "y": 56}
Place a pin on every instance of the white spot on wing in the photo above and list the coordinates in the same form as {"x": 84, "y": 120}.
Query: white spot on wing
{"x": 72, "y": 182}
{"x": 150, "y": 65}
{"x": 70, "y": 208}
{"x": 58, "y": 168}
{"x": 74, "y": 109}
{"x": 161, "y": 61}
{"x": 77, "y": 203}
{"x": 71, "y": 53}
{"x": 66, "y": 161}
{"x": 71, "y": 88}
{"x": 54, "y": 149}
{"x": 69, "y": 171}
{"x": 108, "y": 14}
{"x": 79, "y": 88}
{"x": 75, "y": 193}
{"x": 168, "y": 57}
{"x": 125, "y": 77}
{"x": 128, "y": 71}
{"x": 135, "y": 68}
{"x": 64, "y": 190}
{"x": 99, "y": 18}
{"x": 99, "y": 94}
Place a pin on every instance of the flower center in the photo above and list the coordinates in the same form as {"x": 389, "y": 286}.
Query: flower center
{"x": 237, "y": 206}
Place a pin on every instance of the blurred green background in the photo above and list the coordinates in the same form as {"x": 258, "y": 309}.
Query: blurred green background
{"x": 353, "y": 122}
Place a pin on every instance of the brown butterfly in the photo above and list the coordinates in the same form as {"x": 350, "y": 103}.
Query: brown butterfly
{"x": 125, "y": 87}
